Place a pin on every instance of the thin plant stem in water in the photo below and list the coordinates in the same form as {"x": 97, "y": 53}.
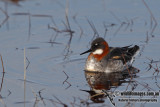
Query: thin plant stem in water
{"x": 24, "y": 77}
{"x": 3, "y": 73}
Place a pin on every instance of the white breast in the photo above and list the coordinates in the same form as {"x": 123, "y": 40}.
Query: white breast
{"x": 90, "y": 65}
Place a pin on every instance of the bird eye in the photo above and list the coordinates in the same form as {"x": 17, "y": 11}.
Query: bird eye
{"x": 96, "y": 44}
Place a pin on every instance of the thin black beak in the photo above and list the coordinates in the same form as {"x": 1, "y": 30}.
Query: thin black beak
{"x": 86, "y": 52}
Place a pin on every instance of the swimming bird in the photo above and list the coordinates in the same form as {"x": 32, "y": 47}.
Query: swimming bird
{"x": 103, "y": 58}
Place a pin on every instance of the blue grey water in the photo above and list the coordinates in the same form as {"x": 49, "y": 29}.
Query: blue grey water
{"x": 121, "y": 23}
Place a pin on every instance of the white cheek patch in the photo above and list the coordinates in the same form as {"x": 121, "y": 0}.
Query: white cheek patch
{"x": 98, "y": 51}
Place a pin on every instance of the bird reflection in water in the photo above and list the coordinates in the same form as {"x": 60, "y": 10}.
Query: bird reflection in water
{"x": 101, "y": 82}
